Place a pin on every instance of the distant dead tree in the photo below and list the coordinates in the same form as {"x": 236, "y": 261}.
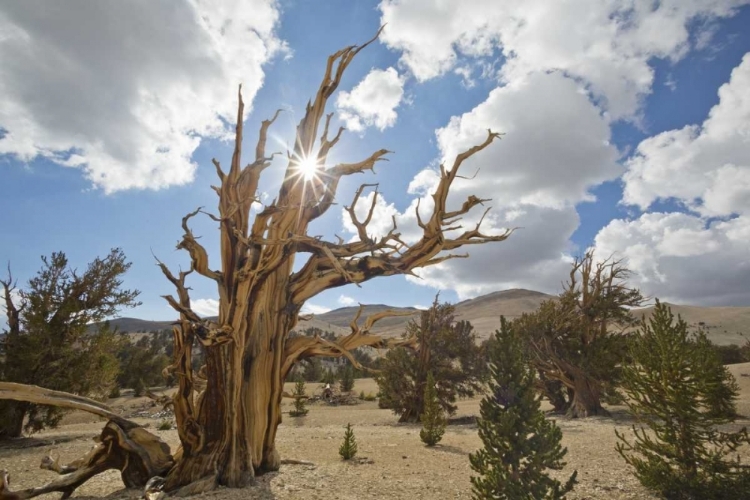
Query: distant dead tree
{"x": 228, "y": 431}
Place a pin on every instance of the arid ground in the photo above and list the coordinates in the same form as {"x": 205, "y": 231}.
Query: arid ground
{"x": 392, "y": 464}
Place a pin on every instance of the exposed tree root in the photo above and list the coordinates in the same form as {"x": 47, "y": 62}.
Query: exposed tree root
{"x": 204, "y": 485}
{"x": 136, "y": 453}
{"x": 291, "y": 461}
{"x": 122, "y": 445}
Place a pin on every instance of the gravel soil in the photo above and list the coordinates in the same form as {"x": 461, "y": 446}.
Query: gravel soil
{"x": 391, "y": 462}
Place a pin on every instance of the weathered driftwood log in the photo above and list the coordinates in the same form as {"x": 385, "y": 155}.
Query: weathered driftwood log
{"x": 123, "y": 445}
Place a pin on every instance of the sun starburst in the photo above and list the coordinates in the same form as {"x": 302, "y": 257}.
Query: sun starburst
{"x": 308, "y": 168}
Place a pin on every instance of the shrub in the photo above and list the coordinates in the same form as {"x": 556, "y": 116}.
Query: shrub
{"x": 433, "y": 419}
{"x": 299, "y": 399}
{"x": 679, "y": 392}
{"x": 165, "y": 425}
{"x": 348, "y": 448}
{"x": 328, "y": 377}
{"x": 346, "y": 378}
{"x": 139, "y": 389}
{"x": 520, "y": 444}
{"x": 115, "y": 392}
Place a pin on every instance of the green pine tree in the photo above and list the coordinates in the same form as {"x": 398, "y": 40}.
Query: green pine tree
{"x": 520, "y": 444}
{"x": 346, "y": 378}
{"x": 679, "y": 392}
{"x": 328, "y": 377}
{"x": 433, "y": 419}
{"x": 299, "y": 399}
{"x": 348, "y": 448}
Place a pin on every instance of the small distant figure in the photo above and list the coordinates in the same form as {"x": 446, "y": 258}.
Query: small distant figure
{"x": 327, "y": 392}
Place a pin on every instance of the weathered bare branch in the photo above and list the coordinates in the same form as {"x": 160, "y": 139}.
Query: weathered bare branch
{"x": 11, "y": 311}
{"x": 390, "y": 255}
{"x": 39, "y": 395}
{"x": 300, "y": 348}
{"x": 198, "y": 254}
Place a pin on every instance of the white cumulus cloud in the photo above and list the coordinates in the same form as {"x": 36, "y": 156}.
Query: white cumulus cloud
{"x": 705, "y": 166}
{"x": 373, "y": 102}
{"x": 382, "y": 217}
{"x": 692, "y": 257}
{"x": 126, "y": 91}
{"x": 309, "y": 308}
{"x": 679, "y": 258}
{"x": 346, "y": 301}
{"x": 205, "y": 307}
{"x": 556, "y": 148}
{"x": 606, "y": 44}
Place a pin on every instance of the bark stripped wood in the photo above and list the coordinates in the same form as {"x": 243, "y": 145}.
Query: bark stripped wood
{"x": 123, "y": 445}
{"x": 300, "y": 348}
{"x": 12, "y": 312}
{"x": 232, "y": 427}
{"x": 228, "y": 431}
{"x": 136, "y": 453}
{"x": 39, "y": 395}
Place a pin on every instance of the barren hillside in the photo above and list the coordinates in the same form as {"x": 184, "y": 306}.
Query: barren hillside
{"x": 725, "y": 325}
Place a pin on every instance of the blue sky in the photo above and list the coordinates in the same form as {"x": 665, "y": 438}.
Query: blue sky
{"x": 618, "y": 136}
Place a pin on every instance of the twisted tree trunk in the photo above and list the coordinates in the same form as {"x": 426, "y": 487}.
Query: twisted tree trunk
{"x": 15, "y": 413}
{"x": 586, "y": 398}
{"x": 239, "y": 411}
{"x": 228, "y": 412}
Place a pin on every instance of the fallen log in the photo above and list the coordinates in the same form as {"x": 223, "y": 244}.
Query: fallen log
{"x": 123, "y": 445}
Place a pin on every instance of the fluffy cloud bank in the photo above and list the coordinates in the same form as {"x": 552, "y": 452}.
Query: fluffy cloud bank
{"x": 611, "y": 54}
{"x": 125, "y": 92}
{"x": 555, "y": 149}
{"x": 684, "y": 257}
{"x": 561, "y": 87}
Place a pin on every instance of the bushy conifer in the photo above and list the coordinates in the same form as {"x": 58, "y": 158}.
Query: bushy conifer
{"x": 346, "y": 378}
{"x": 679, "y": 392}
{"x": 433, "y": 418}
{"x": 520, "y": 444}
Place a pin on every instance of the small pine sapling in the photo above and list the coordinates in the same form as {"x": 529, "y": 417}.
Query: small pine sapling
{"x": 679, "y": 393}
{"x": 348, "y": 448}
{"x": 299, "y": 399}
{"x": 165, "y": 425}
{"x": 433, "y": 419}
{"x": 520, "y": 444}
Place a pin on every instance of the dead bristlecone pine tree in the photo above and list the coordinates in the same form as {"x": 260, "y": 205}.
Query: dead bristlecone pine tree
{"x": 228, "y": 411}
{"x": 348, "y": 448}
{"x": 520, "y": 444}
{"x": 299, "y": 399}
{"x": 433, "y": 417}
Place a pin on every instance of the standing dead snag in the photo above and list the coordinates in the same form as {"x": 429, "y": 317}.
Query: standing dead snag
{"x": 229, "y": 430}
{"x": 227, "y": 427}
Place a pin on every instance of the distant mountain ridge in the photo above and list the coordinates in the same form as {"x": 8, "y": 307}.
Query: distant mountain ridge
{"x": 724, "y": 325}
